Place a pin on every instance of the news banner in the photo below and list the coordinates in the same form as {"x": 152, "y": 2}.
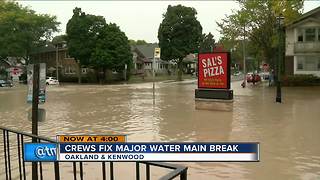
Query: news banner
{"x": 116, "y": 148}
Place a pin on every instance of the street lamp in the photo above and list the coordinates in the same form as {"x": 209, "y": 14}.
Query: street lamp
{"x": 280, "y": 21}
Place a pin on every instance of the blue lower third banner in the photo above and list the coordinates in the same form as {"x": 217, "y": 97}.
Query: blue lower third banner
{"x": 142, "y": 152}
{"x": 158, "y": 152}
{"x": 40, "y": 152}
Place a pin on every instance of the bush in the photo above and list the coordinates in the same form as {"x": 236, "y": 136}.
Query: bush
{"x": 68, "y": 79}
{"x": 301, "y": 80}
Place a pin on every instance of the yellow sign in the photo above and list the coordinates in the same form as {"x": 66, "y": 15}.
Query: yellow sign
{"x": 87, "y": 138}
{"x": 156, "y": 52}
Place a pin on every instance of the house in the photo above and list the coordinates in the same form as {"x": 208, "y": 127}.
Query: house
{"x": 58, "y": 57}
{"x": 138, "y": 61}
{"x": 143, "y": 56}
{"x": 4, "y": 66}
{"x": 12, "y": 68}
{"x": 303, "y": 44}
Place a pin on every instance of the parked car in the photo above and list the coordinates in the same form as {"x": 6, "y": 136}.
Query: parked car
{"x": 52, "y": 81}
{"x": 4, "y": 83}
{"x": 250, "y": 77}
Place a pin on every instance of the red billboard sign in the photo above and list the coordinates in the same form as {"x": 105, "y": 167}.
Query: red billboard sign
{"x": 214, "y": 70}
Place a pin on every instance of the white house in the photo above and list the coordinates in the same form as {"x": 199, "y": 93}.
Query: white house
{"x": 143, "y": 58}
{"x": 303, "y": 44}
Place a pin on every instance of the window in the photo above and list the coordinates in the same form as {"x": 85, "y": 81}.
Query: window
{"x": 311, "y": 64}
{"x": 134, "y": 57}
{"x": 318, "y": 34}
{"x": 310, "y": 34}
{"x": 308, "y": 63}
{"x": 300, "y": 35}
{"x": 67, "y": 55}
{"x": 84, "y": 70}
{"x": 300, "y": 61}
{"x": 69, "y": 70}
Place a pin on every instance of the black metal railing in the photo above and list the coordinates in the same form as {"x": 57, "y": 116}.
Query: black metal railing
{"x": 16, "y": 168}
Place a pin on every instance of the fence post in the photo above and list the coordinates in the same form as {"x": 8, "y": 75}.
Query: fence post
{"x": 184, "y": 174}
{"x": 137, "y": 171}
{"x": 35, "y": 102}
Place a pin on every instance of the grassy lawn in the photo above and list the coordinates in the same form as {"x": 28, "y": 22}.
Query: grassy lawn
{"x": 139, "y": 79}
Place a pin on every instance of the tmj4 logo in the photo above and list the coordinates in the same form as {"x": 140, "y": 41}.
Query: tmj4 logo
{"x": 44, "y": 151}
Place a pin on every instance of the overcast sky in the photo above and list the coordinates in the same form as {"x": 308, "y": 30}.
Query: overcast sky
{"x": 141, "y": 19}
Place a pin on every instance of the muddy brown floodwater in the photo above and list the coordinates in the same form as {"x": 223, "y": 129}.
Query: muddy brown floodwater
{"x": 288, "y": 133}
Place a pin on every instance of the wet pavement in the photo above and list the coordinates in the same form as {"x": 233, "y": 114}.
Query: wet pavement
{"x": 288, "y": 133}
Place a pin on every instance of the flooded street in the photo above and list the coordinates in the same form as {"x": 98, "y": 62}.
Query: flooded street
{"x": 288, "y": 133}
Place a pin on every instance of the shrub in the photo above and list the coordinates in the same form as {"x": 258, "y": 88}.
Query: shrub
{"x": 68, "y": 79}
{"x": 301, "y": 80}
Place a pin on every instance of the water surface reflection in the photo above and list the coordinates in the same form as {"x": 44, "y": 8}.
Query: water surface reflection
{"x": 288, "y": 132}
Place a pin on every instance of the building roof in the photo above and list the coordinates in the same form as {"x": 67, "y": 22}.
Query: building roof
{"x": 147, "y": 50}
{"x": 49, "y": 47}
{"x": 305, "y": 16}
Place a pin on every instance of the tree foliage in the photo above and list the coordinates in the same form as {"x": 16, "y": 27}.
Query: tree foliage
{"x": 208, "y": 43}
{"x": 59, "y": 39}
{"x": 179, "y": 34}
{"x": 256, "y": 20}
{"x": 97, "y": 44}
{"x": 138, "y": 42}
{"x": 22, "y": 30}
{"x": 82, "y": 31}
{"x": 112, "y": 49}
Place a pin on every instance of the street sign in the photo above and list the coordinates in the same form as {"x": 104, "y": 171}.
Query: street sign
{"x": 156, "y": 52}
{"x": 42, "y": 83}
{"x": 265, "y": 67}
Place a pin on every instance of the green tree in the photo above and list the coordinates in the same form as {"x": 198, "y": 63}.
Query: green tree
{"x": 256, "y": 21}
{"x": 97, "y": 44}
{"x": 82, "y": 33}
{"x": 138, "y": 42}
{"x": 236, "y": 49}
{"x": 22, "y": 30}
{"x": 112, "y": 51}
{"x": 179, "y": 34}
{"x": 208, "y": 43}
{"x": 59, "y": 39}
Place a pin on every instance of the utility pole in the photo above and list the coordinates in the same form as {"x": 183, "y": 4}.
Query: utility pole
{"x": 280, "y": 20}
{"x": 155, "y": 55}
{"x": 125, "y": 72}
{"x": 57, "y": 59}
{"x": 153, "y": 78}
{"x": 244, "y": 57}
